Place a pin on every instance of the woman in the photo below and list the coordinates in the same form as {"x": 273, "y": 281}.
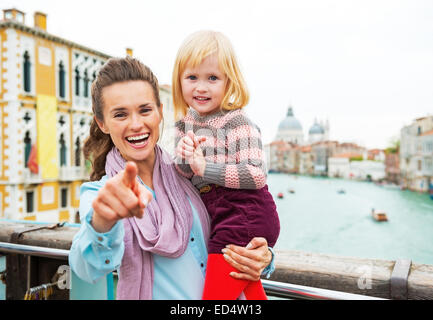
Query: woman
{"x": 138, "y": 215}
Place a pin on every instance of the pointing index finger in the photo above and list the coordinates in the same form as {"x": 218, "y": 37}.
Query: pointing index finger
{"x": 129, "y": 174}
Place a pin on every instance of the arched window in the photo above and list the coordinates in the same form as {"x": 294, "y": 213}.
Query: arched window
{"x": 27, "y": 148}
{"x": 77, "y": 82}
{"x": 77, "y": 152}
{"x": 62, "y": 143}
{"x": 86, "y": 85}
{"x": 26, "y": 72}
{"x": 62, "y": 85}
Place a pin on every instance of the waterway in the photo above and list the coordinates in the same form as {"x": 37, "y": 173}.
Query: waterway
{"x": 316, "y": 218}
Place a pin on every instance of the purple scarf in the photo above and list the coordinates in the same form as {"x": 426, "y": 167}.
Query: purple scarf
{"x": 164, "y": 228}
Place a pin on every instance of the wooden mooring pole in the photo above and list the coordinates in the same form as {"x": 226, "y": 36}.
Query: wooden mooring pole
{"x": 399, "y": 279}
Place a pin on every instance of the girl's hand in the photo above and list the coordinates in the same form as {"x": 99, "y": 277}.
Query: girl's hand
{"x": 185, "y": 147}
{"x": 189, "y": 149}
{"x": 250, "y": 260}
{"x": 122, "y": 196}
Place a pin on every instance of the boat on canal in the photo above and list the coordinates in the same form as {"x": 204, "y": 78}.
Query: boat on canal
{"x": 379, "y": 215}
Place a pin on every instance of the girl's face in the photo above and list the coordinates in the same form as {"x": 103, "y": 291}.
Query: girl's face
{"x": 131, "y": 118}
{"x": 204, "y": 87}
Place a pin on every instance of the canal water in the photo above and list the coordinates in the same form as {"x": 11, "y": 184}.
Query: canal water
{"x": 317, "y": 218}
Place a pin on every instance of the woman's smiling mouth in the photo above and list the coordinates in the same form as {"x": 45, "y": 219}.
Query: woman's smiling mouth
{"x": 138, "y": 140}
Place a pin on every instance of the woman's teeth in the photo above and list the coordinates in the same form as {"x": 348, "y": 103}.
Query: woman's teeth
{"x": 138, "y": 139}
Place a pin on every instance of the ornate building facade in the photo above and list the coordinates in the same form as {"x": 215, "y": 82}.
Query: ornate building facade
{"x": 416, "y": 154}
{"x": 45, "y": 116}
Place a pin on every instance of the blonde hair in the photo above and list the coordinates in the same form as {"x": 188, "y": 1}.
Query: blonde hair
{"x": 192, "y": 52}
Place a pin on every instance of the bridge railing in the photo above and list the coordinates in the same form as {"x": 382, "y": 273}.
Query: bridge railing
{"x": 40, "y": 256}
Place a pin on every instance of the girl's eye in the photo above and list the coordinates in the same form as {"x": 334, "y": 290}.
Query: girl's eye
{"x": 192, "y": 77}
{"x": 119, "y": 114}
{"x": 213, "y": 78}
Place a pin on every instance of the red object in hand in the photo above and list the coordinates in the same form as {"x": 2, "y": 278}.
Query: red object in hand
{"x": 219, "y": 285}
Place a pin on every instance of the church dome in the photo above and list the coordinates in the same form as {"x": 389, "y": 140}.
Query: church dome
{"x": 316, "y": 129}
{"x": 289, "y": 122}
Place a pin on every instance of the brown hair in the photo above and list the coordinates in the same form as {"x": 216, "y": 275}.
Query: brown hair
{"x": 98, "y": 144}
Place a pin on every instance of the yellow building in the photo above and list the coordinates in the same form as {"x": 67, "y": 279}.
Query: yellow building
{"x": 45, "y": 115}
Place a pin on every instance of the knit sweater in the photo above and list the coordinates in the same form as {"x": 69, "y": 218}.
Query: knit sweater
{"x": 232, "y": 150}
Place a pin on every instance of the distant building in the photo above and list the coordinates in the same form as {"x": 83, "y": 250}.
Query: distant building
{"x": 352, "y": 161}
{"x": 167, "y": 134}
{"x": 367, "y": 170}
{"x": 45, "y": 115}
{"x": 290, "y": 129}
{"x": 427, "y": 156}
{"x": 321, "y": 152}
{"x": 275, "y": 157}
{"x": 376, "y": 155}
{"x": 321, "y": 156}
{"x": 284, "y": 157}
{"x": 306, "y": 160}
{"x": 416, "y": 153}
{"x": 349, "y": 149}
{"x": 290, "y": 152}
{"x": 339, "y": 167}
{"x": 392, "y": 167}
{"x": 319, "y": 131}
{"x": 339, "y": 164}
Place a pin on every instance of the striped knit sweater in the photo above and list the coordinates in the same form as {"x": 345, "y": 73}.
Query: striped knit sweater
{"x": 233, "y": 150}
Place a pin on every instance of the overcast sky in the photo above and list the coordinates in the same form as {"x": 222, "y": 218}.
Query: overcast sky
{"x": 367, "y": 66}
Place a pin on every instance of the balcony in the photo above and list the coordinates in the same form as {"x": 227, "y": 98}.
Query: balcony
{"x": 73, "y": 173}
{"x": 30, "y": 177}
{"x": 65, "y": 174}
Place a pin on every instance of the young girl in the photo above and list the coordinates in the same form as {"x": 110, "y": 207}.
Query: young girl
{"x": 220, "y": 150}
{"x": 138, "y": 215}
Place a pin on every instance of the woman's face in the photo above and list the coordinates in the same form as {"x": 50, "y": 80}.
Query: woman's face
{"x": 131, "y": 118}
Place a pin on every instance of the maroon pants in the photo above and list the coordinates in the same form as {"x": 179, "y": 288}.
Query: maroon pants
{"x": 237, "y": 216}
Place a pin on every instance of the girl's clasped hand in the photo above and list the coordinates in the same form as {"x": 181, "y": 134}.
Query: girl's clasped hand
{"x": 189, "y": 149}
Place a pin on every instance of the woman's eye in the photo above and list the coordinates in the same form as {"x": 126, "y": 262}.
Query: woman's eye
{"x": 145, "y": 110}
{"x": 213, "y": 78}
{"x": 119, "y": 115}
